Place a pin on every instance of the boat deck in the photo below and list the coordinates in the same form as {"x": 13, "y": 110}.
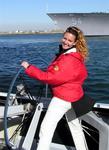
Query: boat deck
{"x": 97, "y": 120}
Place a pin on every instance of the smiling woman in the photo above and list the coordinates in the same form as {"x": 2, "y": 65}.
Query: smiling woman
{"x": 66, "y": 75}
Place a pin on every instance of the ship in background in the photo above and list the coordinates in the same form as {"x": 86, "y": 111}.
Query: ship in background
{"x": 96, "y": 24}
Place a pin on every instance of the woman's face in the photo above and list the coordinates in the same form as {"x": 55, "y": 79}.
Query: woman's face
{"x": 68, "y": 40}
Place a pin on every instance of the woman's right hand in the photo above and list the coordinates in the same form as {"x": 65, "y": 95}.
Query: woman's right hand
{"x": 25, "y": 64}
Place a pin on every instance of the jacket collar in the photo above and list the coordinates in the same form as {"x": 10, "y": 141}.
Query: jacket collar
{"x": 70, "y": 50}
{"x": 61, "y": 51}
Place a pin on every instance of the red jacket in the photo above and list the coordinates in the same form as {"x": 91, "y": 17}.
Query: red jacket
{"x": 66, "y": 75}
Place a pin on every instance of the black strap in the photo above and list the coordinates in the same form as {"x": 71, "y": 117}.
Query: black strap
{"x": 83, "y": 105}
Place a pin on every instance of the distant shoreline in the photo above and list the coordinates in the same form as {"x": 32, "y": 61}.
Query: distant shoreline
{"x": 26, "y": 33}
{"x": 36, "y": 33}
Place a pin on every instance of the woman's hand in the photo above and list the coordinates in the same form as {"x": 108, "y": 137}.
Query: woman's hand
{"x": 25, "y": 64}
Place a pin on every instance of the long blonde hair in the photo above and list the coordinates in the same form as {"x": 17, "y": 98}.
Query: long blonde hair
{"x": 81, "y": 44}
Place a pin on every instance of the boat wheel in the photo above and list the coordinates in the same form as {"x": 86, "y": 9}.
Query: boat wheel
{"x": 17, "y": 106}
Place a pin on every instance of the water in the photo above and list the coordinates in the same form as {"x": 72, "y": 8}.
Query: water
{"x": 40, "y": 50}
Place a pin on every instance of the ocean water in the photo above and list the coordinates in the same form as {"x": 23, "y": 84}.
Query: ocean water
{"x": 40, "y": 50}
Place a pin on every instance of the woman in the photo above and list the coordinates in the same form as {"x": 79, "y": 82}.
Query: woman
{"x": 66, "y": 75}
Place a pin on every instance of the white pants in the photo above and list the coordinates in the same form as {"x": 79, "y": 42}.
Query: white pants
{"x": 55, "y": 112}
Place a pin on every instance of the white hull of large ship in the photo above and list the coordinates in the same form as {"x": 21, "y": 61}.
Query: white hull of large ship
{"x": 90, "y": 23}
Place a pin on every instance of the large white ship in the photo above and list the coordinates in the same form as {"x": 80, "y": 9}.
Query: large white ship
{"x": 90, "y": 23}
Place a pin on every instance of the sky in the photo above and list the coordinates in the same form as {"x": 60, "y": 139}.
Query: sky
{"x": 32, "y": 14}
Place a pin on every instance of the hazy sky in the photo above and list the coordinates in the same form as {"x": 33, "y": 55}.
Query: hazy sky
{"x": 32, "y": 14}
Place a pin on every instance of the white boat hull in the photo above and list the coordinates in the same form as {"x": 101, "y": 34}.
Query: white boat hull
{"x": 98, "y": 121}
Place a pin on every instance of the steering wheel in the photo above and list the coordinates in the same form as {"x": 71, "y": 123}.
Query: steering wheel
{"x": 15, "y": 110}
